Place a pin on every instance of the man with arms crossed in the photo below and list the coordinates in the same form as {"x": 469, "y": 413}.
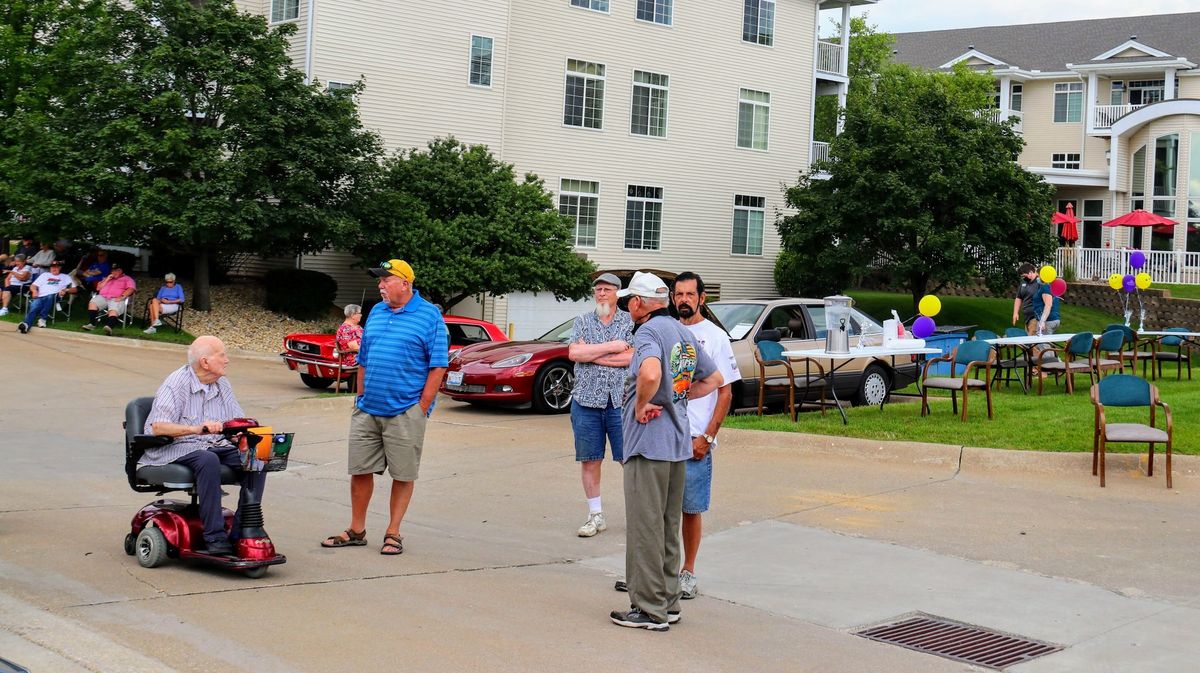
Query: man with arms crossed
{"x": 667, "y": 369}
{"x": 705, "y": 415}
{"x": 601, "y": 351}
{"x": 401, "y": 362}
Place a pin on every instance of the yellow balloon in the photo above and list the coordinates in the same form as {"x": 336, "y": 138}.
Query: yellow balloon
{"x": 1047, "y": 274}
{"x": 1114, "y": 281}
{"x": 1142, "y": 280}
{"x": 930, "y": 305}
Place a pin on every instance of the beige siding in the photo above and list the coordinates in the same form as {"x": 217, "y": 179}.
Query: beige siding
{"x": 1044, "y": 137}
{"x": 353, "y": 281}
{"x": 1189, "y": 86}
{"x": 263, "y": 7}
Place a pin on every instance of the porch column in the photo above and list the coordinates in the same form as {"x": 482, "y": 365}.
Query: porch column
{"x": 1169, "y": 84}
{"x": 1090, "y": 97}
{"x": 1005, "y": 96}
{"x": 845, "y": 42}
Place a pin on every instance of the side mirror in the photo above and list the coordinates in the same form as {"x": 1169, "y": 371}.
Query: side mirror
{"x": 767, "y": 335}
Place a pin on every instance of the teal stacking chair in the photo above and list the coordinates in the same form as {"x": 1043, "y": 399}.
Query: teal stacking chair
{"x": 971, "y": 356}
{"x": 1131, "y": 352}
{"x": 1126, "y": 390}
{"x": 1007, "y": 362}
{"x": 1182, "y": 356}
{"x": 768, "y": 352}
{"x": 1110, "y": 342}
{"x": 1077, "y": 358}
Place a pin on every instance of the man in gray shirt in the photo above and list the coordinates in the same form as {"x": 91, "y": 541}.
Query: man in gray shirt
{"x": 668, "y": 367}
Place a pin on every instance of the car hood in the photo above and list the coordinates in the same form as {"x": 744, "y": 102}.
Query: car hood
{"x": 499, "y": 350}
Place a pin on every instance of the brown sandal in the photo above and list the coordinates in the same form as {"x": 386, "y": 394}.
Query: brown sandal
{"x": 352, "y": 539}
{"x": 393, "y": 545}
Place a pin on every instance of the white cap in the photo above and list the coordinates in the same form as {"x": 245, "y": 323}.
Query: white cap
{"x": 645, "y": 285}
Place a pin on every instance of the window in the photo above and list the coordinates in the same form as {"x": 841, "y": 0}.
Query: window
{"x": 758, "y": 22}
{"x": 284, "y": 10}
{"x": 649, "y": 114}
{"x": 330, "y": 87}
{"x": 643, "y": 217}
{"x": 1193, "y": 213}
{"x": 656, "y": 11}
{"x": 1117, "y": 93}
{"x": 1093, "y": 218}
{"x": 1166, "y": 174}
{"x": 1014, "y": 98}
{"x": 1068, "y": 102}
{"x": 598, "y": 5}
{"x": 754, "y": 119}
{"x": 579, "y": 200}
{"x": 481, "y": 61}
{"x": 1137, "y": 192}
{"x": 1145, "y": 92}
{"x": 995, "y": 102}
{"x": 584, "y": 101}
{"x": 1068, "y": 160}
{"x": 748, "y": 215}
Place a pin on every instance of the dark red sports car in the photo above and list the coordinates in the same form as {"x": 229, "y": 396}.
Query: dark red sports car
{"x": 314, "y": 356}
{"x": 534, "y": 373}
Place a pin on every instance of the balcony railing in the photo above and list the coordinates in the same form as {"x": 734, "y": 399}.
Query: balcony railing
{"x": 997, "y": 115}
{"x": 820, "y": 152}
{"x": 1107, "y": 114}
{"x": 829, "y": 57}
{"x": 1164, "y": 266}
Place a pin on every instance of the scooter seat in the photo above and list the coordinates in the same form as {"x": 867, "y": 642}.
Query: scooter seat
{"x": 176, "y": 476}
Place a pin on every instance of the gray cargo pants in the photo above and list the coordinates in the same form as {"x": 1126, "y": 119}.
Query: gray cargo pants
{"x": 653, "y": 511}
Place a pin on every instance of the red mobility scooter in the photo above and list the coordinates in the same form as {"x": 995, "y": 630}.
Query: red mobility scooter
{"x": 173, "y": 528}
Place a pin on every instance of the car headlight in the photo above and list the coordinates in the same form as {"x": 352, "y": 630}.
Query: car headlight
{"x": 514, "y": 361}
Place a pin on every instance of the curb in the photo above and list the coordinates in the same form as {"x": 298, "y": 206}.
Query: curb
{"x": 133, "y": 343}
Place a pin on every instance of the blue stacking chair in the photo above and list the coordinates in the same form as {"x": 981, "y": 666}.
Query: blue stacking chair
{"x": 1126, "y": 390}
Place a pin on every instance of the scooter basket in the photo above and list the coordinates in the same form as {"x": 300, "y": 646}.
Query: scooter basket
{"x": 269, "y": 459}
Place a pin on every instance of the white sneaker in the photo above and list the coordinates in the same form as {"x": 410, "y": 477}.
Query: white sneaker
{"x": 594, "y": 524}
{"x": 149, "y": 330}
{"x": 156, "y": 323}
{"x": 41, "y": 322}
{"x": 3, "y": 311}
{"x": 687, "y": 584}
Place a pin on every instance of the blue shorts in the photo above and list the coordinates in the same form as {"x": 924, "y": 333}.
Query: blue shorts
{"x": 697, "y": 487}
{"x": 591, "y": 426}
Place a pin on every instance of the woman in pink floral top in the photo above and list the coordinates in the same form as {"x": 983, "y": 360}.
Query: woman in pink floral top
{"x": 349, "y": 335}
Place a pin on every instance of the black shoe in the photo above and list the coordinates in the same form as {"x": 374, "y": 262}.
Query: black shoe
{"x": 23, "y": 328}
{"x": 636, "y": 619}
{"x": 219, "y": 548}
{"x": 620, "y": 585}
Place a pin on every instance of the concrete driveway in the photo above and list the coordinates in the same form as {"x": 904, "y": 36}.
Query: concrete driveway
{"x": 810, "y": 539}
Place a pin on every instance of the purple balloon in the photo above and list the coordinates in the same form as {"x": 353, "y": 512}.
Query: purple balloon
{"x": 1137, "y": 259}
{"x": 923, "y": 327}
{"x": 1128, "y": 283}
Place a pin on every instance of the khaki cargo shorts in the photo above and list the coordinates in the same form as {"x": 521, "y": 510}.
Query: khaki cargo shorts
{"x": 394, "y": 443}
{"x": 106, "y": 304}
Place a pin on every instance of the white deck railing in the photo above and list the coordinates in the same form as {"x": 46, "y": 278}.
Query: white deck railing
{"x": 1176, "y": 267}
{"x": 820, "y": 152}
{"x": 1105, "y": 115}
{"x": 829, "y": 57}
{"x": 997, "y": 115}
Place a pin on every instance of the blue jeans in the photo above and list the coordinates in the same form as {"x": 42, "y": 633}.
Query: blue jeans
{"x": 39, "y": 308}
{"x": 591, "y": 426}
{"x": 697, "y": 486}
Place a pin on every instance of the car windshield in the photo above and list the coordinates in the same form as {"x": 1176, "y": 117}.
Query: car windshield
{"x": 739, "y": 319}
{"x": 860, "y": 323}
{"x": 561, "y": 334}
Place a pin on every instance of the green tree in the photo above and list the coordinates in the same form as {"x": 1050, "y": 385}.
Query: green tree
{"x": 870, "y": 50}
{"x": 182, "y": 126}
{"x": 468, "y": 227}
{"x": 922, "y": 187}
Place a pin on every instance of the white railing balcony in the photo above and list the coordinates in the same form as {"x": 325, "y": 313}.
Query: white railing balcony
{"x": 1105, "y": 115}
{"x": 820, "y": 152}
{"x": 829, "y": 57}
{"x": 997, "y": 115}
{"x": 1097, "y": 264}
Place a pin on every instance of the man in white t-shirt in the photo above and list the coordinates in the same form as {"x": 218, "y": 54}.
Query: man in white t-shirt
{"x": 47, "y": 289}
{"x": 705, "y": 415}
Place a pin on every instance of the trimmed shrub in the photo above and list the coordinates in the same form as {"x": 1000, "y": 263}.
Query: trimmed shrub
{"x": 300, "y": 293}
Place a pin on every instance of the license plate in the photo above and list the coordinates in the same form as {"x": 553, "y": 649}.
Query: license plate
{"x": 454, "y": 378}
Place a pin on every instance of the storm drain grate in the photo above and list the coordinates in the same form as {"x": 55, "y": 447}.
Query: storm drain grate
{"x": 960, "y": 642}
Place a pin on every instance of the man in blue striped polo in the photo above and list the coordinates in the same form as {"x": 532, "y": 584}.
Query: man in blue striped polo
{"x": 401, "y": 361}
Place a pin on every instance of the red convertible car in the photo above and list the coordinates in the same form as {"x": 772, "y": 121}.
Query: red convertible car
{"x": 523, "y": 374}
{"x": 315, "y": 356}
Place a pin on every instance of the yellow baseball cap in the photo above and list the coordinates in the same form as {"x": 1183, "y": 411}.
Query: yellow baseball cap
{"x": 394, "y": 267}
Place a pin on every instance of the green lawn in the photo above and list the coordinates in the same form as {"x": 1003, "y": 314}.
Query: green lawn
{"x": 1179, "y": 291}
{"x": 989, "y": 313}
{"x": 133, "y": 331}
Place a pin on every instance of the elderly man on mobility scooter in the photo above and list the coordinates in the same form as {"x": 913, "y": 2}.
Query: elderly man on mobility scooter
{"x": 193, "y": 405}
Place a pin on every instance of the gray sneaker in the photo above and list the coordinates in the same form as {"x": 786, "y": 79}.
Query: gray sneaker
{"x": 89, "y": 327}
{"x": 150, "y": 330}
{"x": 593, "y": 525}
{"x": 41, "y": 322}
{"x": 687, "y": 584}
{"x": 107, "y": 330}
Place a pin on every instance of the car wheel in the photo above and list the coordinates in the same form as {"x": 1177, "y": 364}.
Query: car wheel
{"x": 151, "y": 547}
{"x": 874, "y": 386}
{"x": 552, "y": 388}
{"x": 318, "y": 382}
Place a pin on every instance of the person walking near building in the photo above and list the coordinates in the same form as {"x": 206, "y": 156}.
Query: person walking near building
{"x": 667, "y": 369}
{"x": 401, "y": 362}
{"x": 705, "y": 415}
{"x": 1023, "y": 303}
{"x": 601, "y": 350}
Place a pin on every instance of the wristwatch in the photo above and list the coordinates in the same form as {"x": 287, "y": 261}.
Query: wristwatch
{"x": 710, "y": 439}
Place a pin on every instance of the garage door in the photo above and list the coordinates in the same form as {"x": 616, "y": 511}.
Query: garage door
{"x": 532, "y": 315}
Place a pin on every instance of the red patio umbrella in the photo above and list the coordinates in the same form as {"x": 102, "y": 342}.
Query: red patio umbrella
{"x": 1140, "y": 218}
{"x": 1070, "y": 229}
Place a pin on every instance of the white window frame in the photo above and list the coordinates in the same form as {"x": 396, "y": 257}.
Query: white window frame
{"x": 1066, "y": 160}
{"x": 1016, "y": 96}
{"x": 568, "y": 74}
{"x": 1116, "y": 92}
{"x": 661, "y": 200}
{"x": 666, "y": 94}
{"x": 1087, "y": 220}
{"x": 762, "y": 228}
{"x": 1067, "y": 89}
{"x": 758, "y": 35}
{"x": 491, "y": 56}
{"x": 607, "y": 6}
{"x": 283, "y": 11}
{"x": 755, "y": 105}
{"x": 1173, "y": 197}
{"x": 562, "y": 191}
{"x": 670, "y": 13}
{"x": 1192, "y": 220}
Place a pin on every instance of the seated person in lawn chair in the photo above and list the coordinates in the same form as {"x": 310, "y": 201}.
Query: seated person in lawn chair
{"x": 16, "y": 282}
{"x": 110, "y": 297}
{"x": 93, "y": 269}
{"x": 47, "y": 289}
{"x": 168, "y": 301}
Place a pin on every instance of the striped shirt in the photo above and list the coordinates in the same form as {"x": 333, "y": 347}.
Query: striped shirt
{"x": 182, "y": 399}
{"x": 399, "y": 347}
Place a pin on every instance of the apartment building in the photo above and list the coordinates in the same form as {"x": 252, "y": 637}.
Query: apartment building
{"x": 1110, "y": 112}
{"x": 665, "y": 128}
